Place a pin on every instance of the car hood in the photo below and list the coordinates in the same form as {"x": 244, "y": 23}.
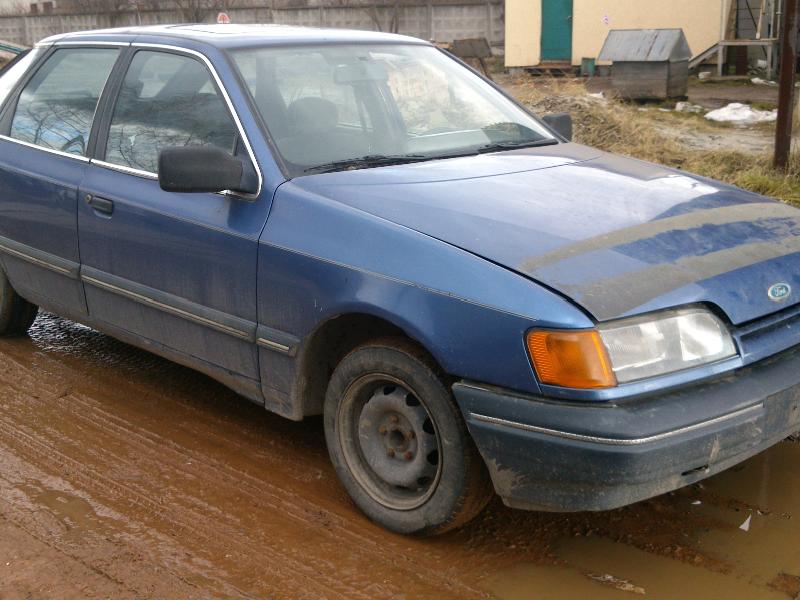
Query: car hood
{"x": 618, "y": 236}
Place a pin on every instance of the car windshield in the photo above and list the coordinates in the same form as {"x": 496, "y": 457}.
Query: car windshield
{"x": 339, "y": 107}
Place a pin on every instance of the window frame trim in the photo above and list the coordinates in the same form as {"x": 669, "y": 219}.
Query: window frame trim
{"x": 9, "y": 108}
{"x": 112, "y": 103}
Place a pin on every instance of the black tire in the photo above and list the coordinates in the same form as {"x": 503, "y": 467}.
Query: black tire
{"x": 16, "y": 313}
{"x": 398, "y": 441}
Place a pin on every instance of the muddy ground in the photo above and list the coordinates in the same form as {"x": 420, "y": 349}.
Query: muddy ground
{"x": 123, "y": 475}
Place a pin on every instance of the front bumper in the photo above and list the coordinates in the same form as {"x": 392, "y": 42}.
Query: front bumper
{"x": 559, "y": 456}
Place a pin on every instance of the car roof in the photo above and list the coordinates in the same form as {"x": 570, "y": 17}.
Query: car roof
{"x": 235, "y": 35}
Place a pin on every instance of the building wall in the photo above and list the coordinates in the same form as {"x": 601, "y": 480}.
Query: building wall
{"x": 523, "y": 31}
{"x": 592, "y": 20}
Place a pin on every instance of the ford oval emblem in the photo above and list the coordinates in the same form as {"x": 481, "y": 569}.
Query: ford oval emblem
{"x": 779, "y": 291}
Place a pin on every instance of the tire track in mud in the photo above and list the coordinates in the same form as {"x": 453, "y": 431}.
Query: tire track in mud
{"x": 183, "y": 519}
{"x": 343, "y": 548}
{"x": 73, "y": 542}
{"x": 42, "y": 455}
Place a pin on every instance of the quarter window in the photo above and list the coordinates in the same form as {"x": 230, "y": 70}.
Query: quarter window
{"x": 166, "y": 100}
{"x": 57, "y": 106}
{"x": 11, "y": 74}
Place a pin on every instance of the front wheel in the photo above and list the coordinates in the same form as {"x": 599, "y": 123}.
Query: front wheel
{"x": 399, "y": 444}
{"x": 16, "y": 313}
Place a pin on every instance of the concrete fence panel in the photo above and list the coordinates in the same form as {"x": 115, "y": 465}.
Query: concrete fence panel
{"x": 439, "y": 20}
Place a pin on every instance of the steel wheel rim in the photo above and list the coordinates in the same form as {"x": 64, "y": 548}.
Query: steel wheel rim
{"x": 389, "y": 441}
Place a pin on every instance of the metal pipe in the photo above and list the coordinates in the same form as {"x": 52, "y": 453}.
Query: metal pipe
{"x": 783, "y": 129}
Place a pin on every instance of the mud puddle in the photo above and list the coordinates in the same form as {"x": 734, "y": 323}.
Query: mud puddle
{"x": 124, "y": 475}
{"x": 740, "y": 539}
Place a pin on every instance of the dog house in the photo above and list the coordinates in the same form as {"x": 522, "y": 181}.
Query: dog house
{"x": 648, "y": 63}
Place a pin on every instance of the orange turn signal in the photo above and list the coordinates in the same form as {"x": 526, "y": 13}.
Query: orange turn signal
{"x": 575, "y": 359}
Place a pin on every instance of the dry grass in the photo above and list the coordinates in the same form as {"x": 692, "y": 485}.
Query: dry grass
{"x": 623, "y": 129}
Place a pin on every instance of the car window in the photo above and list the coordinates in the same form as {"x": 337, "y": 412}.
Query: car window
{"x": 429, "y": 100}
{"x": 355, "y": 106}
{"x": 166, "y": 100}
{"x": 15, "y": 70}
{"x": 57, "y": 106}
{"x": 298, "y": 76}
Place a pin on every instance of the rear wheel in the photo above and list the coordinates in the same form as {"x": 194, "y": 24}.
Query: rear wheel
{"x": 398, "y": 441}
{"x": 16, "y": 313}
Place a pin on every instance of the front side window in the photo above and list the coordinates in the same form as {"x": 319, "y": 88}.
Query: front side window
{"x": 342, "y": 106}
{"x": 57, "y": 106}
{"x": 166, "y": 100}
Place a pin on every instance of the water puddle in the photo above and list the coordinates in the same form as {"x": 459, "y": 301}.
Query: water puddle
{"x": 750, "y": 535}
{"x": 76, "y": 515}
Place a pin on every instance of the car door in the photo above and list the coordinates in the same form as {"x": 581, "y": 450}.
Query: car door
{"x": 177, "y": 269}
{"x": 45, "y": 130}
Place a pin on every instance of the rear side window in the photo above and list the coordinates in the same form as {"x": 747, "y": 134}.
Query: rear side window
{"x": 57, "y": 106}
{"x": 166, "y": 100}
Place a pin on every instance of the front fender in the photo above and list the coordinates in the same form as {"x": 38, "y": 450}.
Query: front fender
{"x": 319, "y": 259}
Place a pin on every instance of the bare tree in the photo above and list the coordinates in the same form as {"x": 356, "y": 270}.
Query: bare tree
{"x": 14, "y": 8}
{"x": 110, "y": 9}
{"x": 383, "y": 14}
{"x": 196, "y": 11}
{"x": 391, "y": 22}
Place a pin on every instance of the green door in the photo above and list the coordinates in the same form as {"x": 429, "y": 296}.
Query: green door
{"x": 557, "y": 30}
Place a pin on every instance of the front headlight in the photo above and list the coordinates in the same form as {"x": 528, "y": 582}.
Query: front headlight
{"x": 665, "y": 343}
{"x": 629, "y": 349}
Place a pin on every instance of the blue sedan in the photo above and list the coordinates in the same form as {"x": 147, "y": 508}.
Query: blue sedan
{"x": 357, "y": 225}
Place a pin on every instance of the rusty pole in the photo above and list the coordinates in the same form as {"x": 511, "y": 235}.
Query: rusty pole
{"x": 783, "y": 129}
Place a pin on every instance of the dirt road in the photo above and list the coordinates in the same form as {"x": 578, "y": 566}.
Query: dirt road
{"x": 124, "y": 476}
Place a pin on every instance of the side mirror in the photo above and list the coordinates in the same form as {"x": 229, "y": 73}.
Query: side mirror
{"x": 204, "y": 169}
{"x": 561, "y": 123}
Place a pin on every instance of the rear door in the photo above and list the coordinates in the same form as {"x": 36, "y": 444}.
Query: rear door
{"x": 177, "y": 269}
{"x": 44, "y": 137}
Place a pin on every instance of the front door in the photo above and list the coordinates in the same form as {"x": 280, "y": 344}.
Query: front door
{"x": 556, "y": 30}
{"x": 178, "y": 269}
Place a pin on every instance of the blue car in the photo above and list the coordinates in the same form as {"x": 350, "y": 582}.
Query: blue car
{"x": 357, "y": 225}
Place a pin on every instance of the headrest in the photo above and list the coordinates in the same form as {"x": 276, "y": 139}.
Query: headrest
{"x": 312, "y": 114}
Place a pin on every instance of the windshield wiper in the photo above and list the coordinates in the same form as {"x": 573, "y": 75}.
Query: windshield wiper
{"x": 383, "y": 160}
{"x": 365, "y": 162}
{"x": 513, "y": 145}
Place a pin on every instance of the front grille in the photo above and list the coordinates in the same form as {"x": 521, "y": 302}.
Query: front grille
{"x": 769, "y": 335}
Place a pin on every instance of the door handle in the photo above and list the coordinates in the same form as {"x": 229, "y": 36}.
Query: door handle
{"x": 101, "y": 205}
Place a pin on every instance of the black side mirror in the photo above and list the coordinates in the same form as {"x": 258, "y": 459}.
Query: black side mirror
{"x": 204, "y": 169}
{"x": 561, "y": 123}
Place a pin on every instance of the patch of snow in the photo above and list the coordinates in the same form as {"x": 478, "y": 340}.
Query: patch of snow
{"x": 741, "y": 114}
{"x": 759, "y": 81}
{"x": 688, "y": 107}
{"x": 616, "y": 582}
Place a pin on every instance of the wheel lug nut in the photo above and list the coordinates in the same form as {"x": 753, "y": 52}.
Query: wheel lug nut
{"x": 382, "y": 430}
{"x": 411, "y": 435}
{"x": 408, "y": 455}
{"x": 390, "y": 452}
{"x": 393, "y": 419}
